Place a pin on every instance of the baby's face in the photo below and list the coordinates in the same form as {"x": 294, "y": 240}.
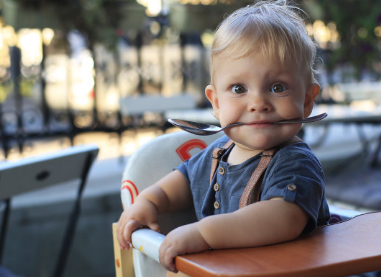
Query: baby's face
{"x": 259, "y": 91}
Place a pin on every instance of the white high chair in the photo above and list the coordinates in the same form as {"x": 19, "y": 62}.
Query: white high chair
{"x": 145, "y": 167}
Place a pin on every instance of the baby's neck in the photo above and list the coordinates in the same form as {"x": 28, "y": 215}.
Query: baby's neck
{"x": 238, "y": 154}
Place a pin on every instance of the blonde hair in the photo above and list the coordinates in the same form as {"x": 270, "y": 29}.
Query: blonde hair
{"x": 273, "y": 27}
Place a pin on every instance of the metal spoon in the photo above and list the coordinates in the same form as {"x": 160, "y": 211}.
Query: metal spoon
{"x": 204, "y": 129}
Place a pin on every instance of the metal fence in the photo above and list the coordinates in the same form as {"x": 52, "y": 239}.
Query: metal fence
{"x": 78, "y": 90}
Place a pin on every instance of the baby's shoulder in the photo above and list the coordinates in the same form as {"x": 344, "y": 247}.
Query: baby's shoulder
{"x": 297, "y": 151}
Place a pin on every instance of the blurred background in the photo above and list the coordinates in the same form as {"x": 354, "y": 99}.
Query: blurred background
{"x": 64, "y": 65}
{"x": 67, "y": 68}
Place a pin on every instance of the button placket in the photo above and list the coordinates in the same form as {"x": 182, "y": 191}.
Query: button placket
{"x": 221, "y": 170}
{"x": 216, "y": 205}
{"x": 216, "y": 187}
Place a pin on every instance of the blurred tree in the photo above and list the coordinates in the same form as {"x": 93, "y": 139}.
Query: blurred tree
{"x": 359, "y": 26}
{"x": 98, "y": 20}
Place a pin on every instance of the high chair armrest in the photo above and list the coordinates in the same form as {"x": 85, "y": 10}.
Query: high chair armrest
{"x": 148, "y": 242}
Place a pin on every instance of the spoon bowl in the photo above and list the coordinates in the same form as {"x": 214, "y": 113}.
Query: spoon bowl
{"x": 203, "y": 129}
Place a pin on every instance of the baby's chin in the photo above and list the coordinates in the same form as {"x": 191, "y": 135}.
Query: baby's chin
{"x": 260, "y": 143}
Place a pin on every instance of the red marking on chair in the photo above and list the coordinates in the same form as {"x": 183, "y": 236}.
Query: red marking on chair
{"x": 130, "y": 186}
{"x": 184, "y": 150}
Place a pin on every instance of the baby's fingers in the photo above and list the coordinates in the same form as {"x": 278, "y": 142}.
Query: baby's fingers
{"x": 124, "y": 231}
{"x": 130, "y": 227}
{"x": 167, "y": 259}
{"x": 120, "y": 234}
{"x": 154, "y": 226}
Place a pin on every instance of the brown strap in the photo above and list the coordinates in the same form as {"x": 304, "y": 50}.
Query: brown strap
{"x": 252, "y": 191}
{"x": 217, "y": 154}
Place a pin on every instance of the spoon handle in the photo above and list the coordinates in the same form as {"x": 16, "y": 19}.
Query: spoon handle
{"x": 305, "y": 120}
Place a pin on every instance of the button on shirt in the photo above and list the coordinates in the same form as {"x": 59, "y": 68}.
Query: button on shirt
{"x": 294, "y": 174}
{"x": 227, "y": 194}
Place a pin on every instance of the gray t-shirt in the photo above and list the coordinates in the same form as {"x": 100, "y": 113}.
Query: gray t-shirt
{"x": 295, "y": 174}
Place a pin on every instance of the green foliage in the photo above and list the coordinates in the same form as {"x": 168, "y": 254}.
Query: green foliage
{"x": 5, "y": 90}
{"x": 26, "y": 88}
{"x": 93, "y": 18}
{"x": 97, "y": 20}
{"x": 356, "y": 21}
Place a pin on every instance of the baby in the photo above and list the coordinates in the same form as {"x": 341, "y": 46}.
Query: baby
{"x": 262, "y": 185}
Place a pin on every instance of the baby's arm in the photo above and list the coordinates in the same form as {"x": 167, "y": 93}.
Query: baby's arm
{"x": 262, "y": 223}
{"x": 170, "y": 193}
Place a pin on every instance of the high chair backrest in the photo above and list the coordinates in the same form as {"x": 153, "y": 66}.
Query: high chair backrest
{"x": 146, "y": 166}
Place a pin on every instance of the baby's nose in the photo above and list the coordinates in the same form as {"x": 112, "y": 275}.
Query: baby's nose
{"x": 258, "y": 103}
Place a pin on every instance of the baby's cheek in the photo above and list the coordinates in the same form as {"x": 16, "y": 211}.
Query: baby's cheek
{"x": 291, "y": 130}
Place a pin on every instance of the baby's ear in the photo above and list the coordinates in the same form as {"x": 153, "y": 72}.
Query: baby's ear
{"x": 311, "y": 93}
{"x": 211, "y": 94}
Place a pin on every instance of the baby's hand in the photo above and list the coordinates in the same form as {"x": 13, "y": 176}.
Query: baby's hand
{"x": 141, "y": 213}
{"x": 183, "y": 240}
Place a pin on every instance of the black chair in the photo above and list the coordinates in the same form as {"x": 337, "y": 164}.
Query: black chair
{"x": 28, "y": 174}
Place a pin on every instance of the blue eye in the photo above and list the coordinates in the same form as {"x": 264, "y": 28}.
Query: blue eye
{"x": 278, "y": 88}
{"x": 238, "y": 89}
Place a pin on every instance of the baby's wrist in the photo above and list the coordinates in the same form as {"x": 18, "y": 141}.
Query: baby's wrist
{"x": 147, "y": 203}
{"x": 201, "y": 233}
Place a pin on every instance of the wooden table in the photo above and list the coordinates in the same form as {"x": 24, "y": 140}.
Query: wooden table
{"x": 342, "y": 249}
